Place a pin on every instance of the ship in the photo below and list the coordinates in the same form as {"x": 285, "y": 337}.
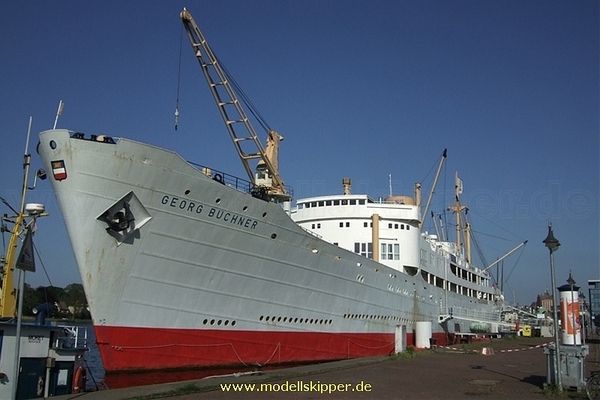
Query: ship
{"x": 187, "y": 266}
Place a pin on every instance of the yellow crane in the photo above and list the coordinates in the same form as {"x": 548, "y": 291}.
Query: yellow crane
{"x": 8, "y": 298}
{"x": 265, "y": 177}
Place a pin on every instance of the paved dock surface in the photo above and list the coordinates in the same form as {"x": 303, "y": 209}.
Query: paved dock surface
{"x": 500, "y": 369}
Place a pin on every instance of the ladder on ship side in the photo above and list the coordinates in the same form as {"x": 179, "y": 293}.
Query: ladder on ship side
{"x": 469, "y": 314}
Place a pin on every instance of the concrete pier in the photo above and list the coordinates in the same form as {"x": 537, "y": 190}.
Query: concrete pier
{"x": 508, "y": 369}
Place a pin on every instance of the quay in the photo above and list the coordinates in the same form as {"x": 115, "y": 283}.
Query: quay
{"x": 499, "y": 369}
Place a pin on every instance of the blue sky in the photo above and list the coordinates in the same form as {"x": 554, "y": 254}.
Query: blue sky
{"x": 358, "y": 89}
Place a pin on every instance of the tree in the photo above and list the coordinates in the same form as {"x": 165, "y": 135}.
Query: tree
{"x": 69, "y": 302}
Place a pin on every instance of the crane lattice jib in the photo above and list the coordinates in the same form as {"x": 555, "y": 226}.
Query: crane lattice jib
{"x": 238, "y": 125}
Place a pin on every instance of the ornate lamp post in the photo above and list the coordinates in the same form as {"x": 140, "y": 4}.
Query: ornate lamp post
{"x": 552, "y": 244}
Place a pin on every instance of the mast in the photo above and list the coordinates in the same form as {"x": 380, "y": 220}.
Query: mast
{"x": 458, "y": 209}
{"x": 8, "y": 298}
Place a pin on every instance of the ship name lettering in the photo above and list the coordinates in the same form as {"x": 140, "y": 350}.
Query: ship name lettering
{"x": 182, "y": 204}
{"x": 197, "y": 208}
{"x": 233, "y": 218}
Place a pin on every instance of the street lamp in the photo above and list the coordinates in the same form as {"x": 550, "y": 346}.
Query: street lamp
{"x": 584, "y": 318}
{"x": 552, "y": 244}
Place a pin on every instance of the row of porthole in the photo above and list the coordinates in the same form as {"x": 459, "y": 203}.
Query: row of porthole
{"x": 398, "y": 289}
{"x": 218, "y": 322}
{"x": 376, "y": 317}
{"x": 295, "y": 320}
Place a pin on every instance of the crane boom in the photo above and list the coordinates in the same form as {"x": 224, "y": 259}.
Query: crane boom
{"x": 506, "y": 255}
{"x": 242, "y": 133}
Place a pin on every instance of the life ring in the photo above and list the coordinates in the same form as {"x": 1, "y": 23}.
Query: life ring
{"x": 79, "y": 380}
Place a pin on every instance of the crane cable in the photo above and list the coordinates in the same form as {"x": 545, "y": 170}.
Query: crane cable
{"x": 178, "y": 79}
{"x": 245, "y": 99}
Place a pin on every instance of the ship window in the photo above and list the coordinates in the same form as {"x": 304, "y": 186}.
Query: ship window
{"x": 407, "y": 227}
{"x": 352, "y": 202}
{"x": 390, "y": 251}
{"x": 321, "y": 203}
{"x": 423, "y": 259}
{"x": 401, "y": 226}
{"x": 366, "y": 224}
{"x": 313, "y": 204}
{"x": 361, "y": 202}
{"x": 341, "y": 224}
{"x": 344, "y": 202}
{"x": 364, "y": 249}
{"x": 347, "y": 224}
{"x": 395, "y": 226}
{"x": 336, "y": 202}
{"x": 390, "y": 226}
{"x": 328, "y": 203}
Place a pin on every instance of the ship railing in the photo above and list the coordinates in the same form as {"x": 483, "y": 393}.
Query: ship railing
{"x": 232, "y": 181}
{"x": 312, "y": 233}
{"x": 71, "y": 337}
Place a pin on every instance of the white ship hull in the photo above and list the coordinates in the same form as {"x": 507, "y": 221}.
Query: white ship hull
{"x": 200, "y": 273}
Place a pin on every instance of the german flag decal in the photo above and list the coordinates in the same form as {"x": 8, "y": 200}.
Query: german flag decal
{"x": 58, "y": 170}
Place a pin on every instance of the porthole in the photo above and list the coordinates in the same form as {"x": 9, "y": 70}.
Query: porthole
{"x": 279, "y": 319}
{"x": 245, "y": 208}
{"x": 187, "y": 191}
{"x": 232, "y": 323}
{"x": 261, "y": 318}
{"x": 226, "y": 322}
{"x": 264, "y": 214}
{"x": 219, "y": 322}
{"x": 267, "y": 319}
{"x": 52, "y": 144}
{"x": 218, "y": 200}
{"x": 205, "y": 322}
{"x": 212, "y": 321}
{"x": 273, "y": 236}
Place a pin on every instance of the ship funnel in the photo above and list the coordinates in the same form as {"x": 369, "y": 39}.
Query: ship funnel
{"x": 346, "y": 183}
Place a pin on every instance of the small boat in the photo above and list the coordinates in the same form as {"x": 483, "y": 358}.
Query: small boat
{"x": 37, "y": 359}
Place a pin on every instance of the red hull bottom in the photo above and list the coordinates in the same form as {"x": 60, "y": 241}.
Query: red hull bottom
{"x": 136, "y": 349}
